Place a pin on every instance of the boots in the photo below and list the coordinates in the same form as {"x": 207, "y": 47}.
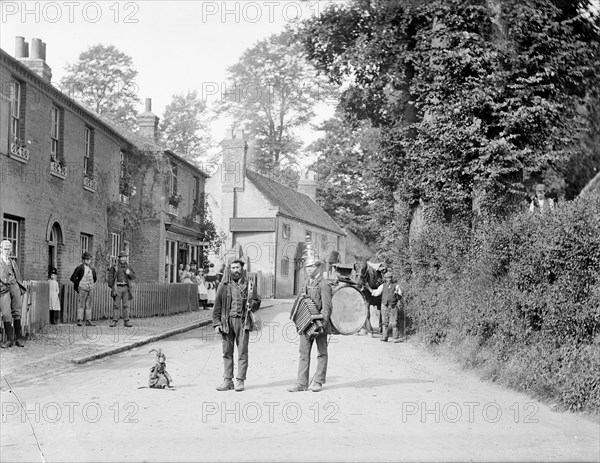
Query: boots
{"x": 384, "y": 333}
{"x": 19, "y": 340}
{"x": 88, "y": 316}
{"x": 10, "y": 336}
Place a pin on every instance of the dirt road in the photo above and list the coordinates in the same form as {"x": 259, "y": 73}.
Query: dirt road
{"x": 382, "y": 402}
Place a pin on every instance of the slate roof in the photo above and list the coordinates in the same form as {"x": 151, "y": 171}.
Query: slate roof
{"x": 293, "y": 204}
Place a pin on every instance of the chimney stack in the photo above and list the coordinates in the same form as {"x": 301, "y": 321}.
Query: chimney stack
{"x": 307, "y": 185}
{"x": 37, "y": 61}
{"x": 148, "y": 122}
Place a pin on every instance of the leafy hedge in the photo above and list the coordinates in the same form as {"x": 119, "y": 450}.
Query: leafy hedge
{"x": 519, "y": 298}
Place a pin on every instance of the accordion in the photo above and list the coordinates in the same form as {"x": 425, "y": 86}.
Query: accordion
{"x": 306, "y": 317}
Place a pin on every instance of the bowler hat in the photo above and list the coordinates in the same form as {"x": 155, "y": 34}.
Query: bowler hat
{"x": 86, "y": 255}
{"x": 123, "y": 254}
{"x": 53, "y": 271}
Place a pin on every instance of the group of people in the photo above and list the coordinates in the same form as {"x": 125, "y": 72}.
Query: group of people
{"x": 237, "y": 299}
{"x": 191, "y": 274}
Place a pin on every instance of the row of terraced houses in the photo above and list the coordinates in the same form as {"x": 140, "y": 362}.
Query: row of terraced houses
{"x": 73, "y": 181}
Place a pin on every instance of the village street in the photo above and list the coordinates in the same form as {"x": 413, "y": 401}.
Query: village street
{"x": 382, "y": 402}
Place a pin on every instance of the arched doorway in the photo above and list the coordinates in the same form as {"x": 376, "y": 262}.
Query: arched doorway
{"x": 55, "y": 241}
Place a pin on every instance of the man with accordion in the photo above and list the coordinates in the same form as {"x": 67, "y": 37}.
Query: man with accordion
{"x": 311, "y": 314}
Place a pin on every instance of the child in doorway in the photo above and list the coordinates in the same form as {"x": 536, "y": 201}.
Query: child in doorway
{"x": 54, "y": 297}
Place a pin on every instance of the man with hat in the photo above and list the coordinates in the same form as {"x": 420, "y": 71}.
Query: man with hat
{"x": 119, "y": 279}
{"x": 540, "y": 202}
{"x": 231, "y": 319}
{"x": 11, "y": 290}
{"x": 84, "y": 278}
{"x": 319, "y": 291}
{"x": 391, "y": 313}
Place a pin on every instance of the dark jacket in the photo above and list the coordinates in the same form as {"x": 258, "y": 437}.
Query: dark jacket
{"x": 78, "y": 275}
{"x": 320, "y": 292}
{"x": 112, "y": 279}
{"x": 15, "y": 268}
{"x": 222, "y": 306}
{"x": 112, "y": 274}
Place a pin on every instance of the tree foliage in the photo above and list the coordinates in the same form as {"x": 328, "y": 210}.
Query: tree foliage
{"x": 103, "y": 78}
{"x": 344, "y": 155}
{"x": 183, "y": 128}
{"x": 474, "y": 97}
{"x": 272, "y": 91}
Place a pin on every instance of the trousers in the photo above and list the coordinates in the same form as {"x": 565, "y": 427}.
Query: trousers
{"x": 121, "y": 300}
{"x": 10, "y": 303}
{"x": 239, "y": 337}
{"x": 304, "y": 364}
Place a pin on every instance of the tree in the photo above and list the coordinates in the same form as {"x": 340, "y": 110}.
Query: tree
{"x": 103, "y": 78}
{"x": 472, "y": 96}
{"x": 183, "y": 128}
{"x": 272, "y": 91}
{"x": 344, "y": 155}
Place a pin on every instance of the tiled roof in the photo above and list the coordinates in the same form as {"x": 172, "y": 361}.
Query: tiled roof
{"x": 293, "y": 204}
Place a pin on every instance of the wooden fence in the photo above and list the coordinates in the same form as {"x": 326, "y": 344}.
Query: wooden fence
{"x": 265, "y": 284}
{"x": 149, "y": 300}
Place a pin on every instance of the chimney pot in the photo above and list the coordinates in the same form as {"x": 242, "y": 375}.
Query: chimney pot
{"x": 36, "y": 49}
{"x": 148, "y": 105}
{"x": 21, "y": 48}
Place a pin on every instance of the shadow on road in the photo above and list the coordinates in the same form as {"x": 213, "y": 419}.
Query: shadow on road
{"x": 376, "y": 382}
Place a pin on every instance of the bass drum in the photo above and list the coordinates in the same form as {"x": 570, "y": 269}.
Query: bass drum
{"x": 349, "y": 310}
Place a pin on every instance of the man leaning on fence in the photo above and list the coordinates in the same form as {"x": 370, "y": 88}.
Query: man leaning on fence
{"x": 84, "y": 278}
{"x": 120, "y": 276}
{"x": 11, "y": 290}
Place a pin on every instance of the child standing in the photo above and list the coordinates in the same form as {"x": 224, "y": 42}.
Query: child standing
{"x": 202, "y": 289}
{"x": 54, "y": 297}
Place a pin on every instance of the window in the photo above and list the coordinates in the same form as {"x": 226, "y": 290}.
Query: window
{"x": 15, "y": 110}
{"x": 55, "y": 134}
{"x": 122, "y": 165}
{"x": 125, "y": 186}
{"x": 88, "y": 151}
{"x": 285, "y": 231}
{"x": 171, "y": 261}
{"x": 10, "y": 232}
{"x": 115, "y": 245}
{"x": 86, "y": 242}
{"x": 324, "y": 241}
{"x": 285, "y": 266}
{"x": 196, "y": 192}
{"x": 173, "y": 183}
{"x": 308, "y": 236}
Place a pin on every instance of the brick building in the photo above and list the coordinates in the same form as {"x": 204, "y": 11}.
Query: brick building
{"x": 70, "y": 180}
{"x": 267, "y": 222}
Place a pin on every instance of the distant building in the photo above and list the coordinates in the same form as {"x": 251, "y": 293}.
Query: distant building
{"x": 267, "y": 222}
{"x": 73, "y": 181}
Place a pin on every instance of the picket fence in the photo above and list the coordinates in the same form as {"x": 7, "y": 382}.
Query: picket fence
{"x": 149, "y": 300}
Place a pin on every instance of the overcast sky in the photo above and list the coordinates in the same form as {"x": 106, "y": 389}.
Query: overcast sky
{"x": 176, "y": 46}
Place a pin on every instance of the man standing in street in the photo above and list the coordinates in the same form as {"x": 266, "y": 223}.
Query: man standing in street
{"x": 390, "y": 298}
{"x": 231, "y": 318}
{"x": 11, "y": 290}
{"x": 84, "y": 279}
{"x": 319, "y": 291}
{"x": 119, "y": 279}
